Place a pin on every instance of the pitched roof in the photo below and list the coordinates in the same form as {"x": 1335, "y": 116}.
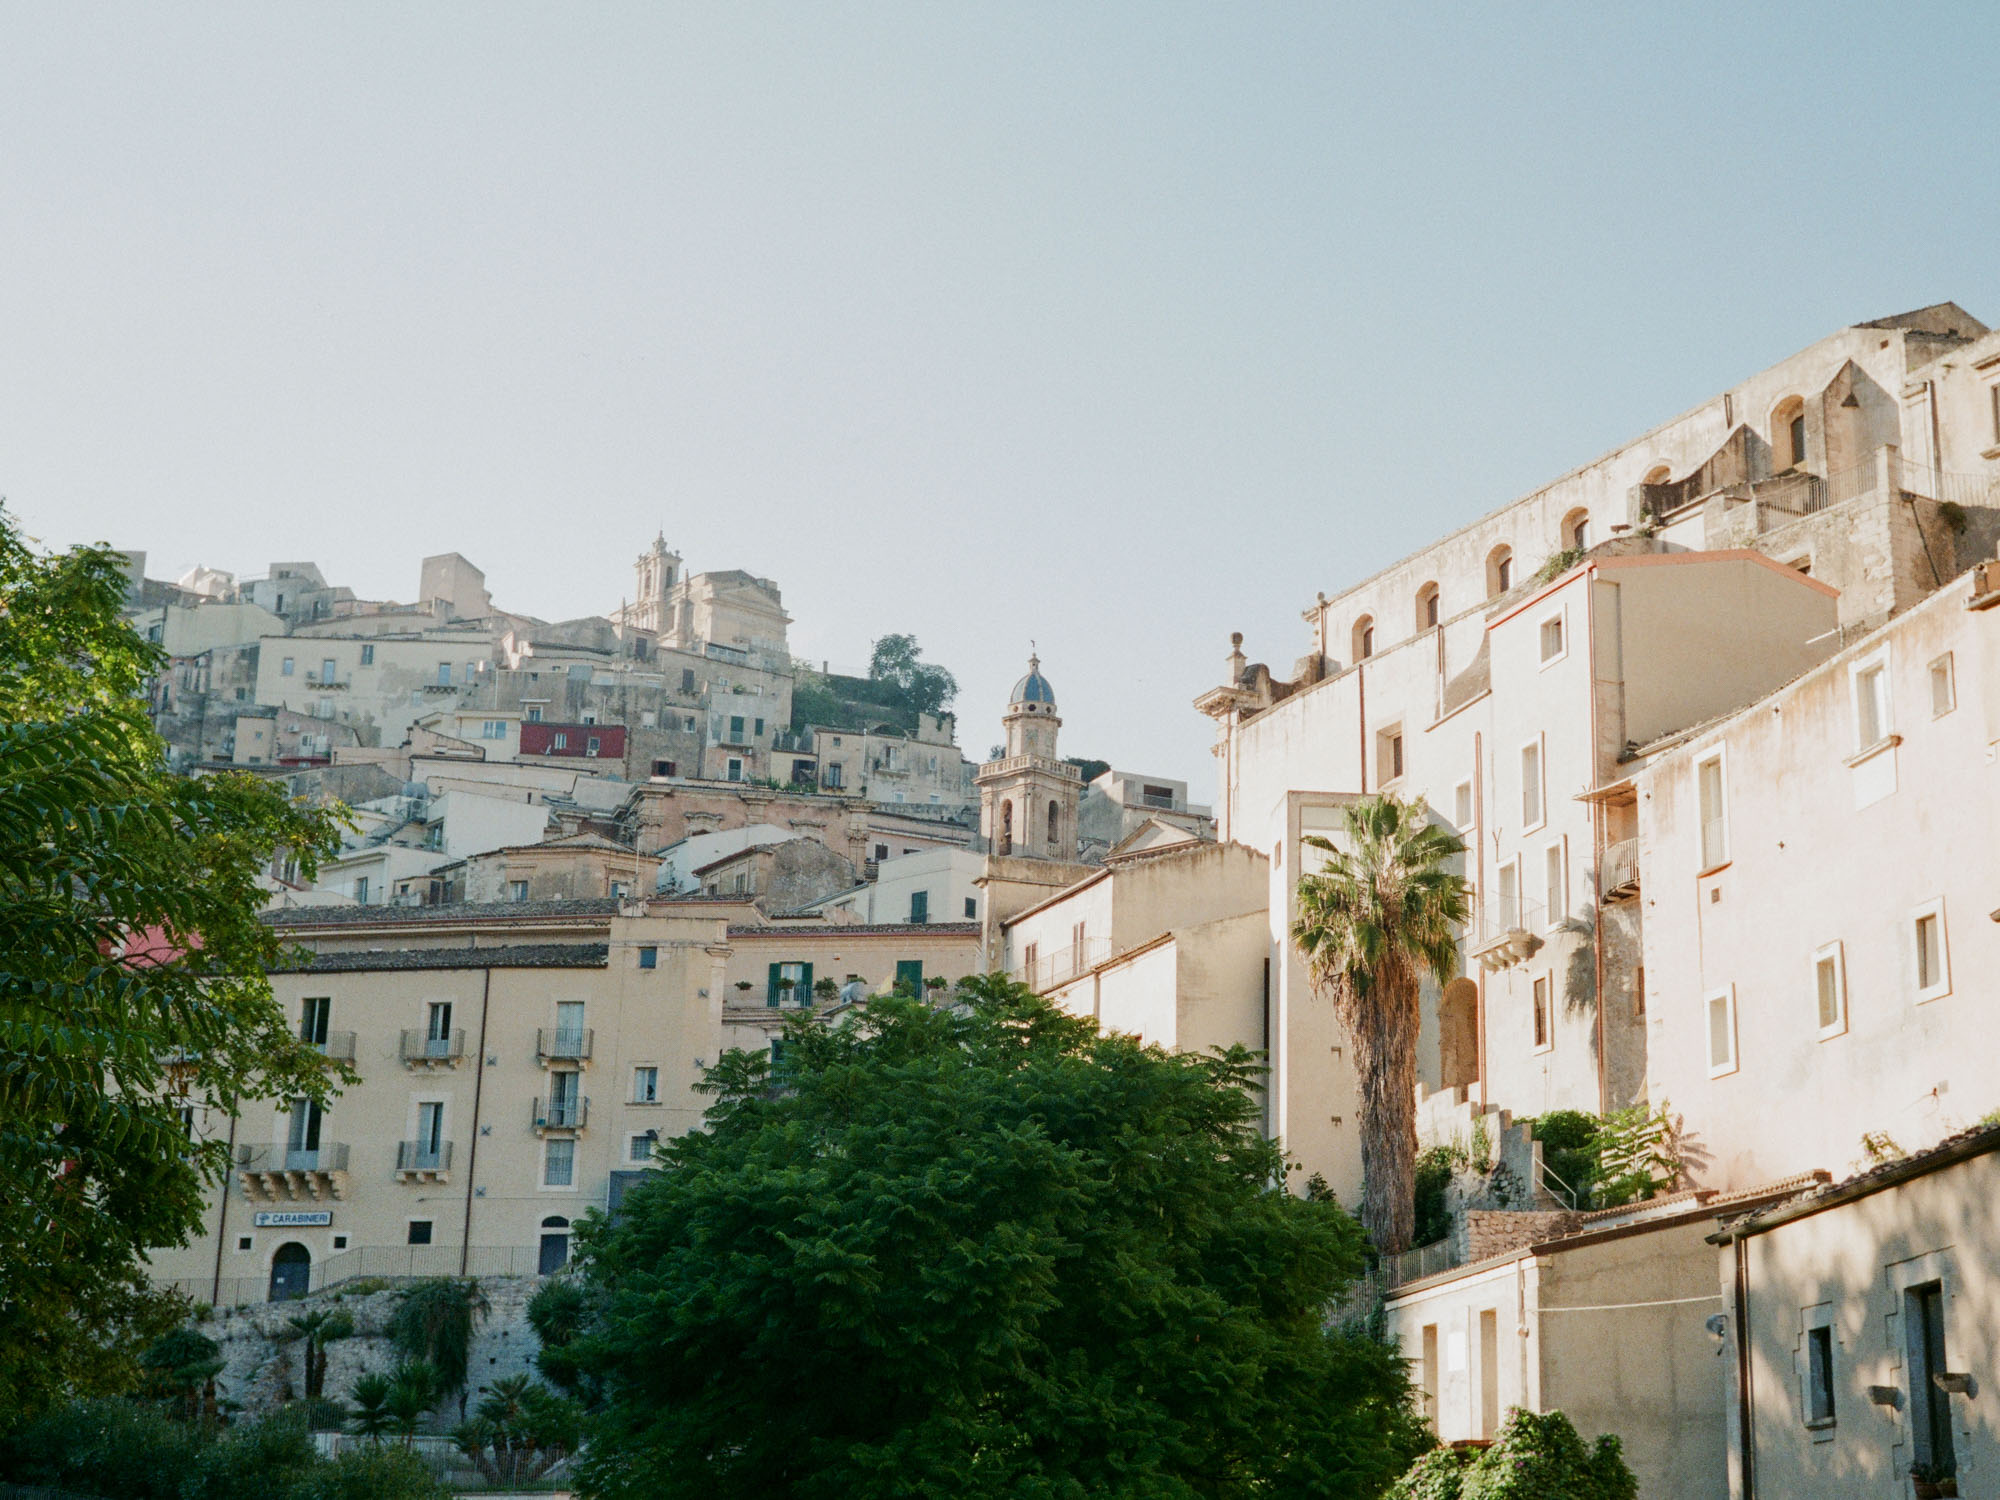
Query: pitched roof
{"x": 1948, "y": 1152}
{"x": 462, "y": 911}
{"x": 510, "y": 956}
{"x": 864, "y": 929}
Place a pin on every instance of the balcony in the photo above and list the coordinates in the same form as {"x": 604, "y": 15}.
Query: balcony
{"x": 278, "y": 1174}
{"x": 1619, "y": 870}
{"x": 422, "y": 1050}
{"x": 1506, "y": 932}
{"x": 421, "y": 1161}
{"x": 568, "y": 1115}
{"x": 562, "y": 1045}
{"x": 1045, "y": 972}
{"x": 337, "y": 1046}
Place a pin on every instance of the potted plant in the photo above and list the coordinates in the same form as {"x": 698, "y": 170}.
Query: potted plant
{"x": 825, "y": 991}
{"x": 743, "y": 987}
{"x": 1932, "y": 1482}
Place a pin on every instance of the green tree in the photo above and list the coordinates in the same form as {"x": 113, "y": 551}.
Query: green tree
{"x": 981, "y": 1250}
{"x": 896, "y": 662}
{"x": 132, "y": 977}
{"x": 520, "y": 1431}
{"x": 317, "y": 1329}
{"x": 372, "y": 1417}
{"x": 1373, "y": 922}
{"x": 181, "y": 1367}
{"x": 1534, "y": 1456}
{"x": 256, "y": 1461}
{"x": 371, "y": 1474}
{"x": 432, "y": 1326}
{"x": 557, "y": 1313}
{"x": 413, "y": 1390}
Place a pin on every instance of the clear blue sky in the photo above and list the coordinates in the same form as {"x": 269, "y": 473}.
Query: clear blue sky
{"x": 1114, "y": 326}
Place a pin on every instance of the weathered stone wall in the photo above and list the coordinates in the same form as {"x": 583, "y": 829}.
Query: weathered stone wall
{"x": 263, "y": 1370}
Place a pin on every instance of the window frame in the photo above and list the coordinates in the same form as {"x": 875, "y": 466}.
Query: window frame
{"x": 1560, "y": 619}
{"x": 1834, "y": 954}
{"x": 1931, "y": 910}
{"x": 1942, "y": 669}
{"x": 410, "y": 1227}
{"x": 635, "y": 1096}
{"x": 542, "y": 1177}
{"x": 649, "y": 956}
{"x": 1726, "y": 994}
{"x": 1876, "y": 662}
{"x": 632, "y": 1139}
{"x": 1462, "y": 797}
{"x": 1541, "y": 816}
{"x": 1552, "y": 918}
{"x": 1818, "y": 1322}
{"x": 1719, "y": 758}
{"x": 1542, "y": 1013}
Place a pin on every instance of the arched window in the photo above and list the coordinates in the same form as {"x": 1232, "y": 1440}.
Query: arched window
{"x": 1575, "y": 530}
{"x": 1363, "y": 637}
{"x": 555, "y": 1244}
{"x": 1055, "y": 826}
{"x": 1658, "y": 474}
{"x": 1427, "y": 607}
{"x": 1788, "y": 433}
{"x": 1007, "y": 828}
{"x": 1499, "y": 570}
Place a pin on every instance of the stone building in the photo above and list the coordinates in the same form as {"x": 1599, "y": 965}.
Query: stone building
{"x": 518, "y": 1062}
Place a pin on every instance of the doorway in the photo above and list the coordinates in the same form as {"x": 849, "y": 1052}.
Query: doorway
{"x": 555, "y": 1245}
{"x": 291, "y": 1272}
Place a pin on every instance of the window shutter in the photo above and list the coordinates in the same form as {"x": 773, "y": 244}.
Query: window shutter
{"x": 771, "y": 987}
{"x": 805, "y": 994}
{"x": 910, "y": 971}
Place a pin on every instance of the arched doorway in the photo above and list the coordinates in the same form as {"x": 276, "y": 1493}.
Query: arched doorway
{"x": 291, "y": 1271}
{"x": 555, "y": 1244}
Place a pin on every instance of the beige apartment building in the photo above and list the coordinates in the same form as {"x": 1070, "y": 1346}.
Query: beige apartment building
{"x": 1819, "y": 875}
{"x": 517, "y": 1064}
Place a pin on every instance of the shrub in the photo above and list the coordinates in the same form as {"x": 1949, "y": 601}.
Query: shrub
{"x": 253, "y": 1462}
{"x": 106, "y": 1447}
{"x": 1570, "y": 1140}
{"x": 371, "y": 1474}
{"x": 1539, "y": 1456}
{"x": 1435, "y": 1476}
{"x": 1433, "y": 1176}
{"x": 433, "y": 1324}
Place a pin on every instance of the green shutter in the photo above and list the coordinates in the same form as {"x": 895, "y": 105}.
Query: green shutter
{"x": 771, "y": 987}
{"x": 910, "y": 971}
{"x": 804, "y": 995}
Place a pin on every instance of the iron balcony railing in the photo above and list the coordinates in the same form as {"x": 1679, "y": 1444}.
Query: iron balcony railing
{"x": 322, "y": 1158}
{"x": 1621, "y": 868}
{"x": 338, "y": 1045}
{"x": 1045, "y": 971}
{"x": 563, "y": 1044}
{"x": 421, "y": 1046}
{"x": 1414, "y": 1265}
{"x": 561, "y": 1114}
{"x": 423, "y": 1156}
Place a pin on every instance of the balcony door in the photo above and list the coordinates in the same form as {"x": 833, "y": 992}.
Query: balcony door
{"x": 313, "y": 1015}
{"x": 302, "y": 1137}
{"x": 437, "y": 1036}
{"x": 430, "y": 1134}
{"x": 569, "y": 1027}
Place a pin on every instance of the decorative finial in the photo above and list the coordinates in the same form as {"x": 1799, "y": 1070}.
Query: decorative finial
{"x": 1236, "y": 640}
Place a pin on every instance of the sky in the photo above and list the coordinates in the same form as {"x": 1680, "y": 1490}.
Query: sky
{"x": 1113, "y": 327}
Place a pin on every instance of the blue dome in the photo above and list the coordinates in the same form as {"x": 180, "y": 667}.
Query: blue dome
{"x": 1034, "y": 688}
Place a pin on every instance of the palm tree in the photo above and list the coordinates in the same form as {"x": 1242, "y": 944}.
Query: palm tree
{"x": 413, "y": 1390}
{"x": 1372, "y": 923}
{"x": 371, "y": 1394}
{"x": 318, "y": 1328}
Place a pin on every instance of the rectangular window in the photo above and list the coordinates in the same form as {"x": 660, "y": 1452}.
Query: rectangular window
{"x": 1944, "y": 690}
{"x": 430, "y": 1132}
{"x": 1552, "y": 639}
{"x": 1712, "y": 798}
{"x": 285, "y": 667}
{"x": 1639, "y": 993}
{"x": 1930, "y": 1404}
{"x": 643, "y": 1145}
{"x": 444, "y": 674}
{"x": 313, "y": 1016}
{"x": 1462, "y": 804}
{"x": 471, "y": 670}
{"x": 646, "y": 1085}
{"x": 910, "y": 975}
{"x": 1531, "y": 784}
{"x": 1507, "y": 897}
{"x": 518, "y": 889}
{"x": 1030, "y": 957}
{"x": 1830, "y": 990}
{"x": 666, "y": 768}
{"x": 559, "y": 740}
{"x": 788, "y": 984}
{"x": 1819, "y": 1377}
{"x": 1543, "y": 1030}
{"x": 590, "y": 745}
{"x": 534, "y": 714}
{"x": 559, "y": 1162}
{"x": 420, "y": 1232}
{"x": 735, "y": 769}
{"x": 971, "y": 908}
{"x": 735, "y": 730}
{"x": 437, "y": 1024}
{"x": 687, "y": 680}
{"x": 757, "y": 729}
{"x": 1389, "y": 754}
{"x": 367, "y": 656}
{"x": 1933, "y": 959}
{"x": 493, "y": 729}
{"x": 1871, "y": 703}
{"x": 326, "y": 669}
{"x": 920, "y": 907}
{"x": 649, "y": 958}
{"x": 1720, "y": 1006}
{"x": 1554, "y": 886}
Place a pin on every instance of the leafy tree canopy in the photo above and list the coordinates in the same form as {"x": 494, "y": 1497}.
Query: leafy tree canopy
{"x": 896, "y": 660}
{"x": 132, "y": 976}
{"x": 980, "y": 1250}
